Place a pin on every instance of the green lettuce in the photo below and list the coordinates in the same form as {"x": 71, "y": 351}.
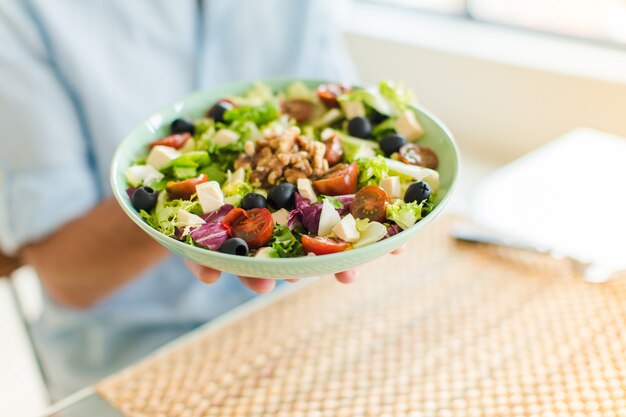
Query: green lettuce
{"x": 186, "y": 165}
{"x": 404, "y": 214}
{"x": 361, "y": 224}
{"x": 397, "y": 94}
{"x": 214, "y": 172}
{"x": 234, "y": 192}
{"x": 384, "y": 128}
{"x": 299, "y": 91}
{"x": 259, "y": 115}
{"x": 356, "y": 148}
{"x": 163, "y": 216}
{"x": 370, "y": 98}
{"x": 372, "y": 170}
{"x": 259, "y": 94}
{"x": 333, "y": 201}
{"x": 285, "y": 244}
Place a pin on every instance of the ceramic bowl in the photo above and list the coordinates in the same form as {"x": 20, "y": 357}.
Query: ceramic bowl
{"x": 437, "y": 136}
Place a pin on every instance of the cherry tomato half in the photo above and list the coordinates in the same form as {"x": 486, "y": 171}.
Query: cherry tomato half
{"x": 419, "y": 155}
{"x": 410, "y": 154}
{"x": 334, "y": 150}
{"x": 255, "y": 226}
{"x": 329, "y": 92}
{"x": 185, "y": 189}
{"x": 174, "y": 141}
{"x": 340, "y": 180}
{"x": 429, "y": 158}
{"x": 369, "y": 203}
{"x": 298, "y": 109}
{"x": 323, "y": 245}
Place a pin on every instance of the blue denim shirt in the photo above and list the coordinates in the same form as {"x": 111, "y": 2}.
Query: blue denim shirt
{"x": 75, "y": 77}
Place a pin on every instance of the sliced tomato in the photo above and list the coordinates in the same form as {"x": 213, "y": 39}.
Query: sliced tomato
{"x": 334, "y": 150}
{"x": 429, "y": 158}
{"x": 185, "y": 189}
{"x": 369, "y": 203}
{"x": 176, "y": 141}
{"x": 255, "y": 226}
{"x": 341, "y": 179}
{"x": 419, "y": 155}
{"x": 298, "y": 109}
{"x": 411, "y": 154}
{"x": 323, "y": 245}
{"x": 329, "y": 92}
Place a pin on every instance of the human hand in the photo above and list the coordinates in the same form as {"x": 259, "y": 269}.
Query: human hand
{"x": 261, "y": 285}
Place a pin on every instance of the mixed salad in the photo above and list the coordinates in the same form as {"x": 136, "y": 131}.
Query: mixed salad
{"x": 291, "y": 173}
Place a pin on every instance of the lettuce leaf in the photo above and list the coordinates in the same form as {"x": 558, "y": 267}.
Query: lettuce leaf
{"x": 285, "y": 244}
{"x": 234, "y": 192}
{"x": 214, "y": 172}
{"x": 333, "y": 201}
{"x": 259, "y": 115}
{"x": 356, "y": 148}
{"x": 186, "y": 166}
{"x": 371, "y": 98}
{"x": 372, "y": 170}
{"x": 384, "y": 128}
{"x": 163, "y": 216}
{"x": 299, "y": 91}
{"x": 260, "y": 93}
{"x": 397, "y": 94}
{"x": 404, "y": 214}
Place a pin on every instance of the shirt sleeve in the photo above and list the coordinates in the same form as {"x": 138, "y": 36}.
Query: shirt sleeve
{"x": 45, "y": 177}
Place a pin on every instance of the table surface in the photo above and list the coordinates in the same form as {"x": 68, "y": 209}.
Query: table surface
{"x": 87, "y": 402}
{"x": 491, "y": 331}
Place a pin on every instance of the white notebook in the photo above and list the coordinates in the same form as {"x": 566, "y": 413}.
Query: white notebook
{"x": 569, "y": 195}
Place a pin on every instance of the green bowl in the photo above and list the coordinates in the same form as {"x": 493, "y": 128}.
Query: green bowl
{"x": 437, "y": 136}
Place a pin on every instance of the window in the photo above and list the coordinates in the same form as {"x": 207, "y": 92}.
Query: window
{"x": 440, "y": 6}
{"x": 603, "y": 20}
{"x": 592, "y": 19}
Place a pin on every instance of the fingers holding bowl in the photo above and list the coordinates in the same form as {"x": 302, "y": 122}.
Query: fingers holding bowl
{"x": 258, "y": 285}
{"x": 203, "y": 273}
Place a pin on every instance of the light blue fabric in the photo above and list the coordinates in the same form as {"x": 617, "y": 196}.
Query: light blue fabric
{"x": 75, "y": 76}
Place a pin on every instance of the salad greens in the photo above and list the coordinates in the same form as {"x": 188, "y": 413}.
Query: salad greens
{"x": 397, "y": 94}
{"x": 285, "y": 244}
{"x": 164, "y": 216}
{"x": 289, "y": 173}
{"x": 404, "y": 214}
{"x": 372, "y": 170}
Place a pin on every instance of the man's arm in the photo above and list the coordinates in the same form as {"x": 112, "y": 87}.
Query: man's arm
{"x": 92, "y": 256}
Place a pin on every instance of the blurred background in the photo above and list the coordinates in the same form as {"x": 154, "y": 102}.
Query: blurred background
{"x": 506, "y": 76}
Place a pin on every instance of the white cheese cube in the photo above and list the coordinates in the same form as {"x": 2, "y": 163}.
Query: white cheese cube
{"x": 212, "y": 188}
{"x": 160, "y": 156}
{"x": 209, "y": 204}
{"x": 225, "y": 137}
{"x": 391, "y": 185}
{"x": 346, "y": 229}
{"x": 329, "y": 217}
{"x": 281, "y": 217}
{"x": 353, "y": 109}
{"x": 305, "y": 188}
{"x": 264, "y": 253}
{"x": 137, "y": 175}
{"x": 408, "y": 126}
{"x": 210, "y": 196}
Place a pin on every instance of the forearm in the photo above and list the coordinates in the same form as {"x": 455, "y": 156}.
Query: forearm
{"x": 92, "y": 256}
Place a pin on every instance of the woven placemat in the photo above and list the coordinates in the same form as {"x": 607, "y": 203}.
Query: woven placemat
{"x": 440, "y": 330}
